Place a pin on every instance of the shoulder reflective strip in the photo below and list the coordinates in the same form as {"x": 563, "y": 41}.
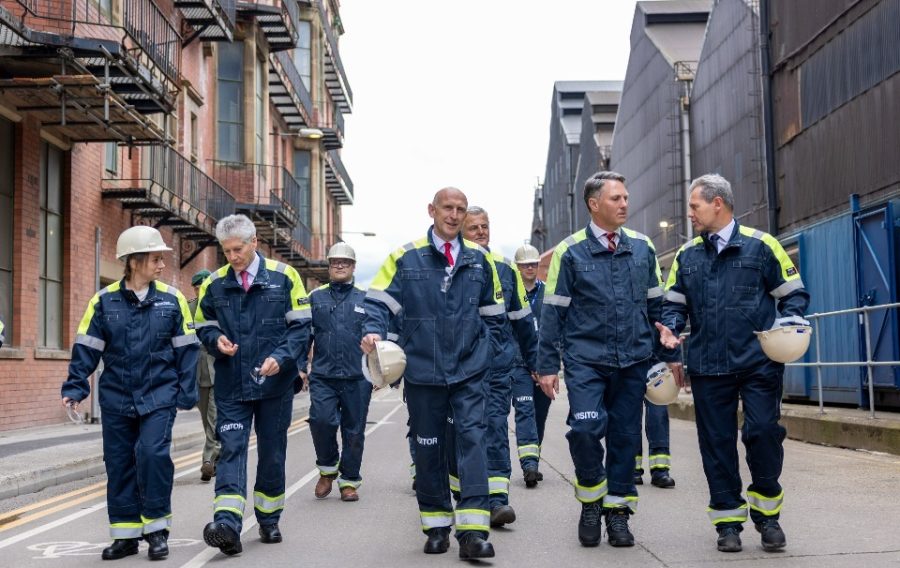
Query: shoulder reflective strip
{"x": 326, "y": 470}
{"x": 768, "y": 506}
{"x": 153, "y": 525}
{"x": 90, "y": 341}
{"x": 119, "y": 531}
{"x": 787, "y": 288}
{"x": 298, "y": 290}
{"x": 784, "y": 261}
{"x": 199, "y": 318}
{"x": 454, "y": 483}
{"x": 621, "y": 502}
{"x": 473, "y": 520}
{"x": 388, "y": 270}
{"x": 322, "y": 287}
{"x": 640, "y": 236}
{"x": 660, "y": 461}
{"x": 654, "y": 292}
{"x": 187, "y": 319}
{"x": 676, "y": 298}
{"x": 473, "y": 245}
{"x": 348, "y": 483}
{"x": 301, "y": 314}
{"x": 385, "y": 299}
{"x": 673, "y": 271}
{"x": 554, "y": 300}
{"x": 434, "y": 520}
{"x": 393, "y": 337}
{"x": 88, "y": 316}
{"x": 266, "y": 504}
{"x": 738, "y": 515}
{"x": 498, "y": 287}
{"x": 498, "y": 485}
{"x": 492, "y": 310}
{"x": 519, "y": 314}
{"x": 590, "y": 494}
{"x": 182, "y": 340}
{"x": 529, "y": 451}
{"x": 556, "y": 259}
{"x": 231, "y": 503}
{"x": 210, "y": 323}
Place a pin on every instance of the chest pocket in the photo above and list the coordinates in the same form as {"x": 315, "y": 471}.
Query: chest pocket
{"x": 411, "y": 274}
{"x": 746, "y": 275}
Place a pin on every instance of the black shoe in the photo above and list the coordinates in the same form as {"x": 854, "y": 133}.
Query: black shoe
{"x": 120, "y": 548}
{"x": 223, "y": 537}
{"x": 438, "y": 541}
{"x": 772, "y": 536}
{"x": 662, "y": 479}
{"x": 729, "y": 539}
{"x": 159, "y": 546}
{"x": 502, "y": 515}
{"x": 531, "y": 478}
{"x": 617, "y": 532}
{"x": 269, "y": 534}
{"x": 589, "y": 529}
{"x": 207, "y": 471}
{"x": 472, "y": 547}
{"x": 638, "y": 480}
{"x": 540, "y": 476}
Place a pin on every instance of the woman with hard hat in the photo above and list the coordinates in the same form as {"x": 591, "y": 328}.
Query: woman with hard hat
{"x": 143, "y": 331}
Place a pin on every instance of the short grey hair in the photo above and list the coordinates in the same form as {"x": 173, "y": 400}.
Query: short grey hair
{"x": 712, "y": 186}
{"x": 476, "y": 210}
{"x": 235, "y": 226}
{"x": 594, "y": 184}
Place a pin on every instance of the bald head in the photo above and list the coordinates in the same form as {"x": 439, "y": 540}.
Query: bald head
{"x": 448, "y": 209}
{"x": 448, "y": 192}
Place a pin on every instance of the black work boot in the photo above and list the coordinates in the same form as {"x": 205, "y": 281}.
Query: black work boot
{"x": 661, "y": 478}
{"x": 589, "y": 529}
{"x": 438, "y": 540}
{"x": 617, "y": 527}
{"x": 159, "y": 546}
{"x": 120, "y": 548}
{"x": 772, "y": 535}
{"x": 502, "y": 515}
{"x": 531, "y": 478}
{"x": 472, "y": 547}
{"x": 221, "y": 536}
{"x": 729, "y": 539}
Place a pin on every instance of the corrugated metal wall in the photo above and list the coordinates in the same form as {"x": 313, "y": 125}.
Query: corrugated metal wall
{"x": 796, "y": 22}
{"x": 557, "y": 178}
{"x": 588, "y": 163}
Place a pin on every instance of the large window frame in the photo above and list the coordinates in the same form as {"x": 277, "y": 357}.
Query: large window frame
{"x": 50, "y": 287}
{"x": 7, "y": 200}
{"x": 230, "y": 102}
{"x": 303, "y": 175}
{"x": 303, "y": 53}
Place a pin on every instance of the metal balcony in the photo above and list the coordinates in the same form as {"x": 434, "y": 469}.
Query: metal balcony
{"x": 212, "y": 20}
{"x": 288, "y": 92}
{"x": 337, "y": 180}
{"x": 168, "y": 190}
{"x": 277, "y": 19}
{"x": 335, "y": 76}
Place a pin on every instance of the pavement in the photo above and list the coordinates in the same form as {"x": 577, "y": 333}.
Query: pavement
{"x": 33, "y": 459}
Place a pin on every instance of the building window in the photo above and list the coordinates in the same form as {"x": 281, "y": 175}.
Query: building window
{"x": 303, "y": 54}
{"x": 195, "y": 138}
{"x": 112, "y": 158}
{"x": 302, "y": 159}
{"x": 229, "y": 111}
{"x": 50, "y": 287}
{"x": 260, "y": 112}
{"x": 7, "y": 170}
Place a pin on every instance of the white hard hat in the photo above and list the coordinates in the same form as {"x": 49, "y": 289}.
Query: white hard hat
{"x": 139, "y": 239}
{"x": 661, "y": 386}
{"x": 785, "y": 344}
{"x": 527, "y": 254}
{"x": 385, "y": 364}
{"x": 341, "y": 250}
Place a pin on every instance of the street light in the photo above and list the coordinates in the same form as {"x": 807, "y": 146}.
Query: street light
{"x": 363, "y": 233}
{"x": 663, "y": 224}
{"x": 310, "y": 133}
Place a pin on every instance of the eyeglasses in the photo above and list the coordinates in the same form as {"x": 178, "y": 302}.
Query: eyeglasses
{"x": 340, "y": 263}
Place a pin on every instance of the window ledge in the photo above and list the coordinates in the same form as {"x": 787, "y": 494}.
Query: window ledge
{"x": 45, "y": 353}
{"x": 11, "y": 353}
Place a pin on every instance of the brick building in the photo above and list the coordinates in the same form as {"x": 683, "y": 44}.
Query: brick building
{"x": 160, "y": 112}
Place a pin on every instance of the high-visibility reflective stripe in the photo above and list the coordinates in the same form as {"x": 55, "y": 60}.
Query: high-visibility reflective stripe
{"x": 183, "y": 340}
{"x": 675, "y": 297}
{"x": 519, "y": 314}
{"x": 454, "y": 483}
{"x": 768, "y": 506}
{"x": 590, "y": 494}
{"x": 654, "y": 292}
{"x": 437, "y": 519}
{"x": 412, "y": 470}
{"x": 384, "y": 298}
{"x": 660, "y": 461}
{"x": 556, "y": 260}
{"x": 788, "y": 271}
{"x": 126, "y": 530}
{"x": 393, "y": 337}
{"x": 555, "y": 300}
{"x": 388, "y": 270}
{"x": 232, "y": 503}
{"x": 529, "y": 451}
{"x": 497, "y": 485}
{"x": 301, "y": 314}
{"x": 187, "y": 321}
{"x": 210, "y": 323}
{"x": 327, "y": 470}
{"x": 738, "y": 515}
{"x": 787, "y": 288}
{"x": 639, "y": 462}
{"x": 348, "y": 483}
{"x": 621, "y": 502}
{"x": 266, "y": 504}
{"x": 473, "y": 520}
{"x": 90, "y": 341}
{"x": 492, "y": 310}
{"x": 153, "y": 525}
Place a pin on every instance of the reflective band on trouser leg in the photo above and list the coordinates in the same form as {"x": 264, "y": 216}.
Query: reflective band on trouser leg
{"x": 454, "y": 483}
{"x": 621, "y": 502}
{"x": 266, "y": 504}
{"x": 328, "y": 470}
{"x": 473, "y": 520}
{"x": 348, "y": 483}
{"x": 231, "y": 503}
{"x": 738, "y": 515}
{"x": 590, "y": 494}
{"x": 498, "y": 485}
{"x": 119, "y": 531}
{"x": 436, "y": 519}
{"x": 529, "y": 451}
{"x": 660, "y": 461}
{"x": 153, "y": 525}
{"x": 639, "y": 463}
{"x": 768, "y": 506}
{"x": 412, "y": 470}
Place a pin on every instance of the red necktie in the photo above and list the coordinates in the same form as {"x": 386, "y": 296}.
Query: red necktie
{"x": 447, "y": 254}
{"x": 611, "y": 242}
{"x": 245, "y": 280}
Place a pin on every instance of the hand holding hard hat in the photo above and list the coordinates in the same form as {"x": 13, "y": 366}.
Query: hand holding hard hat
{"x": 662, "y": 388}
{"x": 384, "y": 364}
{"x": 787, "y": 341}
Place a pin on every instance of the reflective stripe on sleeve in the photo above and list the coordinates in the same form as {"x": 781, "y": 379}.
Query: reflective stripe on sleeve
{"x": 300, "y": 314}
{"x": 385, "y": 299}
{"x": 768, "y": 506}
{"x": 787, "y": 288}
{"x": 90, "y": 341}
{"x": 654, "y": 292}
{"x": 621, "y": 502}
{"x": 393, "y": 337}
{"x": 519, "y": 314}
{"x": 738, "y": 515}
{"x": 676, "y": 297}
{"x": 492, "y": 310}
{"x": 183, "y": 340}
{"x": 267, "y": 504}
{"x": 473, "y": 520}
{"x": 210, "y": 323}
{"x": 555, "y": 300}
{"x": 590, "y": 494}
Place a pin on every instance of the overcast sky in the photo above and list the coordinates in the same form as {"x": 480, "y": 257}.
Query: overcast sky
{"x": 458, "y": 93}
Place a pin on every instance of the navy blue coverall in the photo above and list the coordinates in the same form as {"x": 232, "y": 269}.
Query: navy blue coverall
{"x": 542, "y": 402}
{"x": 271, "y": 319}
{"x": 149, "y": 351}
{"x": 656, "y": 427}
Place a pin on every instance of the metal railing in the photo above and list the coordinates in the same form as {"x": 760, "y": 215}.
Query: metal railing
{"x": 260, "y": 184}
{"x": 868, "y": 363}
{"x": 333, "y": 48}
{"x": 302, "y": 234}
{"x": 296, "y": 81}
{"x": 335, "y": 160}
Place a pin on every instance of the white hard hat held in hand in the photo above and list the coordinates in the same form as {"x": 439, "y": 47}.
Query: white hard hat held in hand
{"x": 787, "y": 341}
{"x": 385, "y": 364}
{"x": 661, "y": 386}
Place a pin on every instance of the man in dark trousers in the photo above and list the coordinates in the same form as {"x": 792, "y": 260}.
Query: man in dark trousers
{"x": 206, "y": 377}
{"x": 447, "y": 294}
